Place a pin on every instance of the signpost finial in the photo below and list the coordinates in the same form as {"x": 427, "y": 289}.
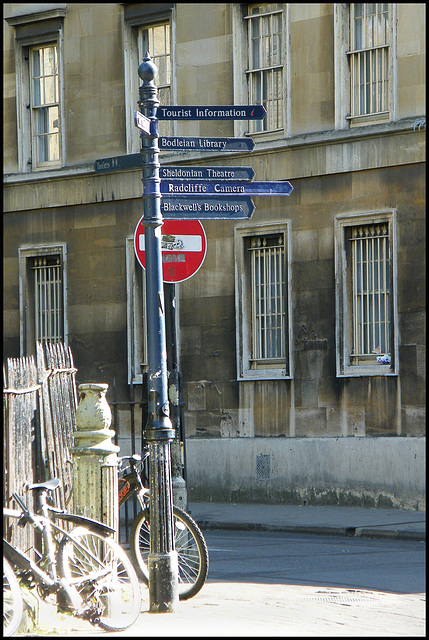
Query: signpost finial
{"x": 147, "y": 69}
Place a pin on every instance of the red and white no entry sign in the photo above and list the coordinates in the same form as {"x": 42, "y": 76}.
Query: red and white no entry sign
{"x": 183, "y": 246}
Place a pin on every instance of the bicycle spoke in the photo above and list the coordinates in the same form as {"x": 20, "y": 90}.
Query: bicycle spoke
{"x": 110, "y": 587}
{"x": 12, "y": 601}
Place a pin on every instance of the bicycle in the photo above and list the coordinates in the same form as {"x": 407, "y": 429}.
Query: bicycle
{"x": 88, "y": 572}
{"x": 193, "y": 557}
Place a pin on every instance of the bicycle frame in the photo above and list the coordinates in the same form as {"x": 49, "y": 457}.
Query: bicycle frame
{"x": 21, "y": 560}
{"x": 46, "y": 526}
{"x": 132, "y": 483}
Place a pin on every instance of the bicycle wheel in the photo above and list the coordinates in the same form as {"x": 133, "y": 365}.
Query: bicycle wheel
{"x": 13, "y": 604}
{"x": 192, "y": 554}
{"x": 104, "y": 577}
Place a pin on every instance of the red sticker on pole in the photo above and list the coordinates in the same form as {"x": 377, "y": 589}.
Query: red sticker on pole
{"x": 183, "y": 246}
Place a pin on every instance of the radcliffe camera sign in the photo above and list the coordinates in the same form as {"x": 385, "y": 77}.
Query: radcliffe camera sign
{"x": 201, "y": 187}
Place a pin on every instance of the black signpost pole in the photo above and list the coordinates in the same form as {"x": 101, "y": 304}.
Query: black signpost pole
{"x": 162, "y": 562}
{"x": 189, "y": 193}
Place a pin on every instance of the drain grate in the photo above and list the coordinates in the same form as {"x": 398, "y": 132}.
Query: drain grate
{"x": 341, "y": 599}
{"x": 263, "y": 467}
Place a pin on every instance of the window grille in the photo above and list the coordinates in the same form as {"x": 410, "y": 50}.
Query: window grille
{"x": 267, "y": 266}
{"x": 370, "y": 291}
{"x": 45, "y": 104}
{"x": 369, "y": 59}
{"x": 263, "y": 467}
{"x": 48, "y": 298}
{"x": 265, "y": 64}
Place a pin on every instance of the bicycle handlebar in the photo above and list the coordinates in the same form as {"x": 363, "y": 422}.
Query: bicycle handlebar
{"x": 135, "y": 458}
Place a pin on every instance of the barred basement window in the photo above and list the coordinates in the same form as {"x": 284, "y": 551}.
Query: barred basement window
{"x": 48, "y": 298}
{"x": 268, "y": 298}
{"x": 265, "y": 64}
{"x": 42, "y": 296}
{"x": 263, "y": 301}
{"x": 371, "y": 292}
{"x": 366, "y": 308}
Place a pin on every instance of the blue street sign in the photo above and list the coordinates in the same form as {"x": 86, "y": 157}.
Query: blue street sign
{"x": 200, "y": 208}
{"x": 206, "y": 173}
{"x": 130, "y": 161}
{"x": 213, "y": 187}
{"x": 176, "y": 143}
{"x": 241, "y": 112}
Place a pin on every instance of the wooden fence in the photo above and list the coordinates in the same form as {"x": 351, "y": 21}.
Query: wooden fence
{"x": 57, "y": 376}
{"x": 39, "y": 408}
{"x": 21, "y": 461}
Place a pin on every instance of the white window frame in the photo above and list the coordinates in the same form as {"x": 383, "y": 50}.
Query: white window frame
{"x": 37, "y": 105}
{"x": 136, "y": 316}
{"x": 345, "y": 367}
{"x": 247, "y": 368}
{"x": 132, "y": 60}
{"x": 344, "y": 118}
{"x": 27, "y": 309}
{"x": 240, "y": 21}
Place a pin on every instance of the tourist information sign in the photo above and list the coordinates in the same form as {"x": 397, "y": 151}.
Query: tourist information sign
{"x": 183, "y": 248}
{"x": 176, "y": 143}
{"x": 207, "y": 208}
{"x": 206, "y": 173}
{"x": 243, "y": 112}
{"x": 227, "y": 188}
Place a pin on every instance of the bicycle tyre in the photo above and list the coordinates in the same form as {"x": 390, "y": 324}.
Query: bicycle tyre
{"x": 114, "y": 597}
{"x": 192, "y": 553}
{"x": 13, "y": 603}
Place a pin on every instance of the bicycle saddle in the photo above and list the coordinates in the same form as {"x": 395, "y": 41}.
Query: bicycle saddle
{"x": 135, "y": 458}
{"x": 50, "y": 485}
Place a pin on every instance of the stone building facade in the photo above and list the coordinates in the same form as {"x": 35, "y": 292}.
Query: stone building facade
{"x": 301, "y": 338}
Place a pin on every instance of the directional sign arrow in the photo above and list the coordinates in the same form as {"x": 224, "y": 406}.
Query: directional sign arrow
{"x": 213, "y": 187}
{"x": 206, "y": 173}
{"x": 234, "y": 112}
{"x": 175, "y": 143}
{"x": 201, "y": 208}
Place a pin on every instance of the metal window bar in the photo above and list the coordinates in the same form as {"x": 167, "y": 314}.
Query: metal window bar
{"x": 268, "y": 298}
{"x": 265, "y": 71}
{"x": 48, "y": 307}
{"x": 371, "y": 292}
{"x": 369, "y": 83}
{"x": 369, "y": 59}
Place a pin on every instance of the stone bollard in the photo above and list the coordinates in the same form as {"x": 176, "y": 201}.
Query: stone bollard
{"x": 95, "y": 461}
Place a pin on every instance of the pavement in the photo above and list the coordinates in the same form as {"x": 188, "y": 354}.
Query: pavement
{"x": 271, "y": 610}
{"x": 342, "y": 521}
